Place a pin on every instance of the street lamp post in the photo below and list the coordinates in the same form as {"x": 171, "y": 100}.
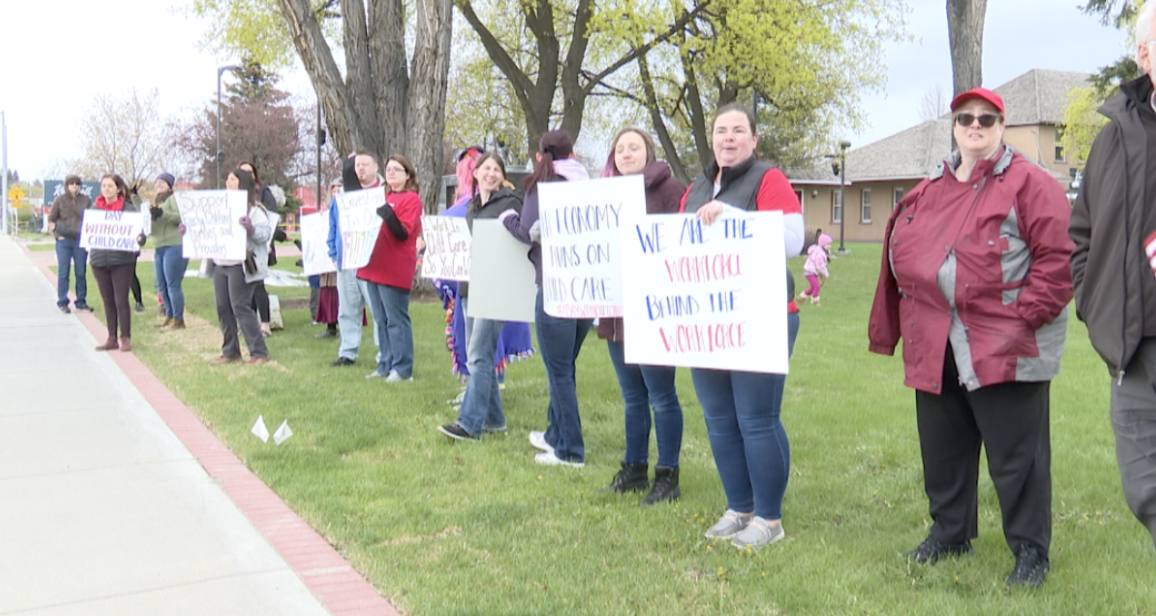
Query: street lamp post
{"x": 217, "y": 154}
{"x": 843, "y": 145}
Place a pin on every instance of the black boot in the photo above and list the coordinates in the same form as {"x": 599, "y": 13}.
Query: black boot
{"x": 631, "y": 478}
{"x": 665, "y": 486}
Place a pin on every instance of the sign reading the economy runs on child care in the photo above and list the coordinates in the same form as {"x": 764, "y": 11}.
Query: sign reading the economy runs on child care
{"x": 314, "y": 249}
{"x": 706, "y": 296}
{"x": 358, "y": 223}
{"x": 447, "y": 248}
{"x": 581, "y": 266}
{"x": 212, "y": 224}
{"x": 106, "y": 230}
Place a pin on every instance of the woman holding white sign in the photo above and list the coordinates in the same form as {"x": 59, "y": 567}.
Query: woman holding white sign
{"x": 114, "y": 269}
{"x": 741, "y": 409}
{"x": 481, "y": 409}
{"x": 631, "y": 153}
{"x": 169, "y": 261}
{"x": 559, "y": 339}
{"x": 389, "y": 273}
{"x": 235, "y": 281}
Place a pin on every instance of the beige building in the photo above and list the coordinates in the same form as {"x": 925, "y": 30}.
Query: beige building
{"x": 880, "y": 173}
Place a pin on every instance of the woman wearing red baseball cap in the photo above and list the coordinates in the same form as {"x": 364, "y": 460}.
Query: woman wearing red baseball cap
{"x": 975, "y": 280}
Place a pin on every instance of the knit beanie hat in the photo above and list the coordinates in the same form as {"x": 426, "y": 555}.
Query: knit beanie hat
{"x": 824, "y": 240}
{"x": 168, "y": 179}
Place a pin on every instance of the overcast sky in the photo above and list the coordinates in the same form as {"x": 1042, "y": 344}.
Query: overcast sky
{"x": 59, "y": 52}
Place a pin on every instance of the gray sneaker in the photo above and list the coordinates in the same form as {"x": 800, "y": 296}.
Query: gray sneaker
{"x": 729, "y": 525}
{"x": 394, "y": 377}
{"x": 758, "y": 533}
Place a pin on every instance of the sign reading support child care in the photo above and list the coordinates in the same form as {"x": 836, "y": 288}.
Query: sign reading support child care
{"x": 110, "y": 230}
{"x": 314, "y": 250}
{"x": 212, "y": 227}
{"x": 581, "y": 266}
{"x": 447, "y": 248}
{"x": 358, "y": 223}
{"x": 706, "y": 296}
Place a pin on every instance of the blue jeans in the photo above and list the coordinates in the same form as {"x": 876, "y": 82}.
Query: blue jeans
{"x": 750, "y": 446}
{"x": 560, "y": 341}
{"x": 351, "y": 300}
{"x": 643, "y": 387}
{"x": 482, "y": 404}
{"x": 390, "y": 307}
{"x": 170, "y": 270}
{"x": 69, "y": 252}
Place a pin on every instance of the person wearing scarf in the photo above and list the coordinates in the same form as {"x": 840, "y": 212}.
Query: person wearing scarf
{"x": 114, "y": 269}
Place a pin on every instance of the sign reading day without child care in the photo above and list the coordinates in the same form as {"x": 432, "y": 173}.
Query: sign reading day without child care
{"x": 358, "y": 223}
{"x": 110, "y": 230}
{"x": 581, "y": 265}
{"x": 212, "y": 227}
{"x": 706, "y": 296}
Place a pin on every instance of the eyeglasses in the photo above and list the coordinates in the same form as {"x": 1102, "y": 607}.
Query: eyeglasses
{"x": 986, "y": 120}
{"x": 394, "y": 170}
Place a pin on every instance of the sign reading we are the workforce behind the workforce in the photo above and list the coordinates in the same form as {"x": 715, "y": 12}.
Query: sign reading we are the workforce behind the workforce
{"x": 706, "y": 296}
{"x": 212, "y": 223}
{"x": 581, "y": 265}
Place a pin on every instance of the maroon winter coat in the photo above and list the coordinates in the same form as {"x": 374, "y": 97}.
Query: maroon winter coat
{"x": 982, "y": 264}
{"x": 663, "y": 196}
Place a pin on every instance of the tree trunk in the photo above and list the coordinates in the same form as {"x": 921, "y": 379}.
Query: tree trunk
{"x": 359, "y": 77}
{"x": 656, "y": 120}
{"x": 392, "y": 82}
{"x": 965, "y": 20}
{"x": 427, "y": 101}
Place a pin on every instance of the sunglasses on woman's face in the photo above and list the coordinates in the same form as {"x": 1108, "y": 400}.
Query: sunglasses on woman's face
{"x": 986, "y": 120}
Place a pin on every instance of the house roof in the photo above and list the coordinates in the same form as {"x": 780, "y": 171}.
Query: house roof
{"x": 1039, "y": 96}
{"x": 1036, "y": 97}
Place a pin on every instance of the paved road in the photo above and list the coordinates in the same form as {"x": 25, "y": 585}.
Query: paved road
{"x": 115, "y": 499}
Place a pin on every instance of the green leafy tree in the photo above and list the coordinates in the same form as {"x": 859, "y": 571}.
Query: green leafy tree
{"x": 1082, "y": 122}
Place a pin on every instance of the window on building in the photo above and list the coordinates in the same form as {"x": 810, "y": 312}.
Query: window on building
{"x": 836, "y": 207}
{"x": 1060, "y": 158}
{"x": 865, "y": 207}
{"x": 799, "y": 196}
{"x": 897, "y": 197}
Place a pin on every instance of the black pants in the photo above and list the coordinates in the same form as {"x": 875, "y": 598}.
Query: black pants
{"x": 261, "y": 301}
{"x": 1133, "y": 410}
{"x": 1010, "y": 420}
{"x": 114, "y": 283}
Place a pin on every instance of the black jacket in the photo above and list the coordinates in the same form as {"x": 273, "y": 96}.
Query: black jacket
{"x": 503, "y": 199}
{"x": 1110, "y": 273}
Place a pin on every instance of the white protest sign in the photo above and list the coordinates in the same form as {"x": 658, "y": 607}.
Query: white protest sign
{"x": 314, "y": 250}
{"x": 358, "y": 223}
{"x": 107, "y": 230}
{"x": 501, "y": 275}
{"x": 706, "y": 296}
{"x": 447, "y": 248}
{"x": 212, "y": 230}
{"x": 581, "y": 267}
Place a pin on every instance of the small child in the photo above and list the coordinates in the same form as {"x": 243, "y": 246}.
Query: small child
{"x": 816, "y": 267}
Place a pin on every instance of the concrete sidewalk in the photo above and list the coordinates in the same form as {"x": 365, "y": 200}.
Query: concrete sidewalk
{"x": 115, "y": 499}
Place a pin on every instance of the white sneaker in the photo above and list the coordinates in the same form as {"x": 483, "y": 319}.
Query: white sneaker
{"x": 394, "y": 377}
{"x": 549, "y": 459}
{"x": 538, "y": 440}
{"x": 374, "y": 375}
{"x": 729, "y": 525}
{"x": 758, "y": 533}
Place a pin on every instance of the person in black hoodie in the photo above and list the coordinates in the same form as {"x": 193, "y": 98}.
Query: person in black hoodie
{"x": 70, "y": 257}
{"x": 643, "y": 387}
{"x": 1113, "y": 225}
{"x": 481, "y": 409}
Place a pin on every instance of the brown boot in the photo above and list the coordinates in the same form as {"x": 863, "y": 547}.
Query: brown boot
{"x": 177, "y": 324}
{"x": 125, "y": 345}
{"x": 167, "y": 322}
{"x": 109, "y": 345}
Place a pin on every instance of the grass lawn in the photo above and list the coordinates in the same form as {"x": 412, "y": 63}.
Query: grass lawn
{"x": 447, "y": 528}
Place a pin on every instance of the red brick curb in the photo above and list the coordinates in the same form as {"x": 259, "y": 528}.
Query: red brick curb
{"x": 339, "y": 586}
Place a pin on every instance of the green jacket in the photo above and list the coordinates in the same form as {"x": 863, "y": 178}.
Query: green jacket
{"x": 164, "y": 232}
